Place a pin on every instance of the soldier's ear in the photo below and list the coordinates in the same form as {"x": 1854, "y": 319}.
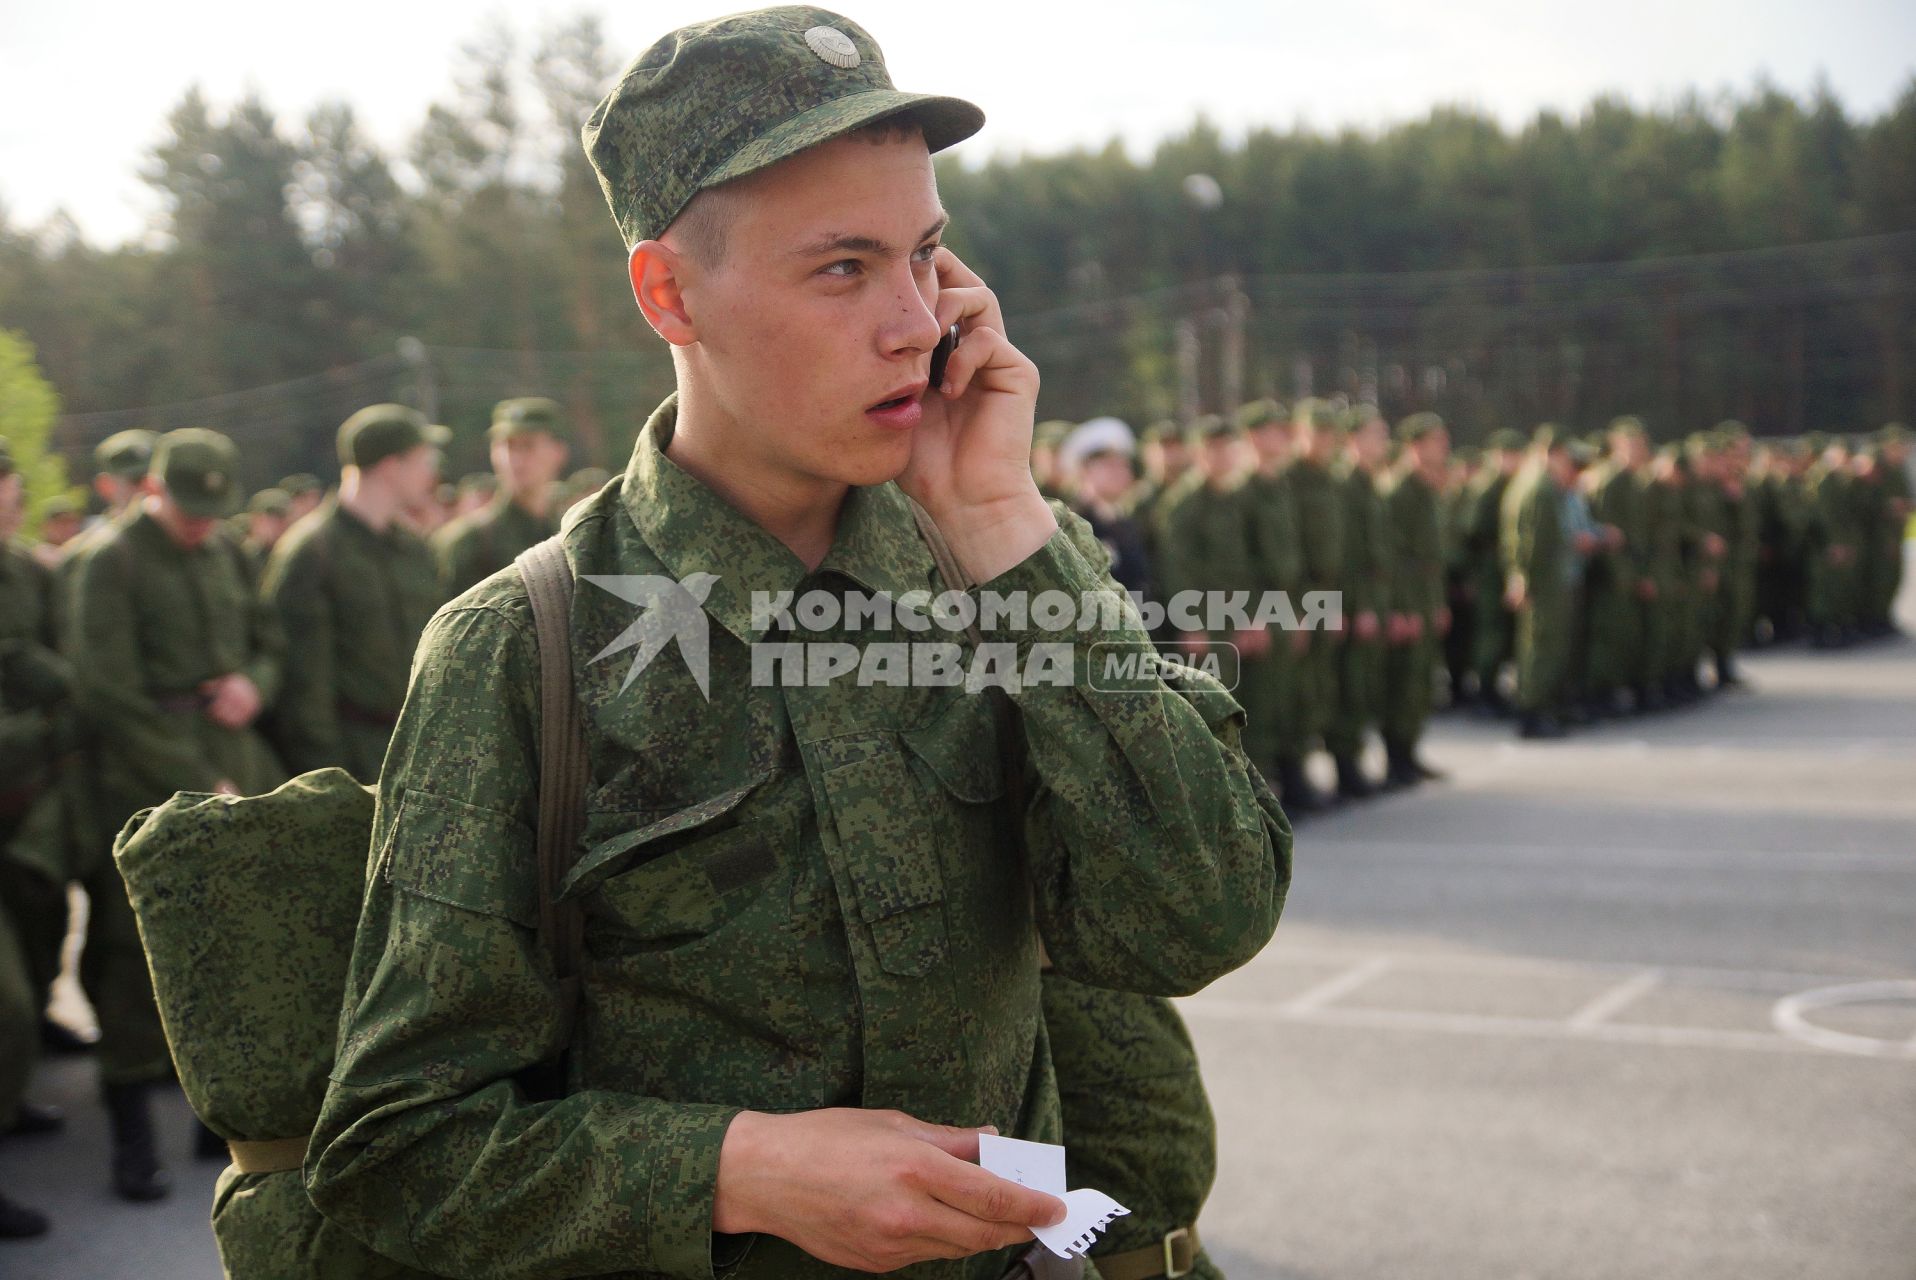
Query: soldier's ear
{"x": 658, "y": 283}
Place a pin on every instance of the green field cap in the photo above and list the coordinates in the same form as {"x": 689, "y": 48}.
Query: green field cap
{"x": 381, "y": 431}
{"x": 720, "y": 99}
{"x": 526, "y": 415}
{"x": 126, "y": 454}
{"x": 200, "y": 469}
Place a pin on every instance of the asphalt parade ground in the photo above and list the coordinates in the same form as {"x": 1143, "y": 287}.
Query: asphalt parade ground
{"x": 1639, "y": 1003}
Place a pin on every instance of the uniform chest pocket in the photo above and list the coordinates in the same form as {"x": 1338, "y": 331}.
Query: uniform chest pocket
{"x": 672, "y": 881}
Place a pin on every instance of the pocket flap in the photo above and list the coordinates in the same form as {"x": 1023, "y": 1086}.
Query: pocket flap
{"x": 610, "y": 857}
{"x": 462, "y": 855}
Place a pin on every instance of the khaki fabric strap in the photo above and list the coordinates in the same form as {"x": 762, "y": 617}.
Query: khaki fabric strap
{"x": 1168, "y": 1259}
{"x": 272, "y": 1155}
{"x": 563, "y": 766}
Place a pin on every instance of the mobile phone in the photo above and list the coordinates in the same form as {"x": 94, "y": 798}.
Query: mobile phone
{"x": 941, "y": 356}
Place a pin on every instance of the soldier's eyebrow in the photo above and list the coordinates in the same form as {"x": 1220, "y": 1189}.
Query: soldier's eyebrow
{"x": 839, "y": 242}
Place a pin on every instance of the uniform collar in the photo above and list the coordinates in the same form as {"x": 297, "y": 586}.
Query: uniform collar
{"x": 691, "y": 529}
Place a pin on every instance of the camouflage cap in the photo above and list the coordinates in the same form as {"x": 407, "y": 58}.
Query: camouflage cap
{"x": 1419, "y": 425}
{"x": 526, "y": 415}
{"x": 1816, "y": 441}
{"x": 720, "y": 99}
{"x": 1893, "y": 433}
{"x": 1212, "y": 427}
{"x": 1582, "y": 452}
{"x": 1160, "y": 431}
{"x": 1504, "y": 438}
{"x": 1262, "y": 413}
{"x": 381, "y": 431}
{"x": 126, "y": 454}
{"x": 200, "y": 470}
{"x": 1321, "y": 414}
{"x": 301, "y": 483}
{"x": 1730, "y": 432}
{"x": 1628, "y": 425}
{"x": 271, "y": 502}
{"x": 1548, "y": 437}
{"x": 58, "y": 505}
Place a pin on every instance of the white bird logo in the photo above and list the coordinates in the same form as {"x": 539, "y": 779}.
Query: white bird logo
{"x": 673, "y": 610}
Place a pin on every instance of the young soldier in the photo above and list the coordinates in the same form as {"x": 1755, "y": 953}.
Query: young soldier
{"x": 812, "y": 970}
{"x": 529, "y": 451}
{"x": 176, "y": 657}
{"x": 353, "y": 588}
{"x": 1416, "y": 551}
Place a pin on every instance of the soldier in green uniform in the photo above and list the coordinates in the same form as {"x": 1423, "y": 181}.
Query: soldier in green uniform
{"x": 1621, "y": 590}
{"x": 528, "y": 444}
{"x": 1779, "y": 522}
{"x": 353, "y": 589}
{"x": 1269, "y": 688}
{"x": 1314, "y": 495}
{"x": 266, "y": 519}
{"x": 1169, "y": 477}
{"x": 1835, "y": 547}
{"x": 1666, "y": 619}
{"x": 39, "y": 735}
{"x": 1885, "y": 575}
{"x": 304, "y": 491}
{"x": 812, "y": 969}
{"x": 176, "y": 656}
{"x": 1367, "y": 582}
{"x": 1736, "y": 593}
{"x": 1207, "y": 549}
{"x": 1493, "y": 639}
{"x": 1414, "y": 526}
{"x": 1540, "y": 582}
{"x": 1046, "y": 438}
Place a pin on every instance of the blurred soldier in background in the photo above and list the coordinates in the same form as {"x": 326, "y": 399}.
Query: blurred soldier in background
{"x": 1207, "y": 548}
{"x": 528, "y": 445}
{"x": 353, "y": 588}
{"x": 1666, "y": 621}
{"x": 1494, "y": 640}
{"x": 1314, "y": 494}
{"x": 60, "y": 523}
{"x": 175, "y": 657}
{"x": 1775, "y": 480}
{"x": 475, "y": 491}
{"x": 1367, "y": 573}
{"x": 1884, "y": 575}
{"x": 1621, "y": 589}
{"x": 304, "y": 491}
{"x": 1268, "y": 691}
{"x": 1736, "y": 594}
{"x": 1834, "y": 543}
{"x": 1539, "y": 585}
{"x": 266, "y": 519}
{"x": 1045, "y": 439}
{"x": 1419, "y": 617}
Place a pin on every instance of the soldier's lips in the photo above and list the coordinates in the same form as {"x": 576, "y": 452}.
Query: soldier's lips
{"x": 902, "y": 411}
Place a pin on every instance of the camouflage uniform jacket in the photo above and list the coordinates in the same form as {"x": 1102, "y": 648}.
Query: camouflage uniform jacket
{"x": 1367, "y": 544}
{"x": 795, "y": 897}
{"x": 353, "y": 603}
{"x": 479, "y": 544}
{"x": 151, "y": 621}
{"x": 1413, "y": 516}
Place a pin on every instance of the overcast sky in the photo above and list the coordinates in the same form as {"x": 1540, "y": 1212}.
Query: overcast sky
{"x": 84, "y": 88}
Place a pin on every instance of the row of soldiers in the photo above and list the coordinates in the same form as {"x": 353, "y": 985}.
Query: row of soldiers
{"x": 1558, "y": 578}
{"x": 164, "y": 649}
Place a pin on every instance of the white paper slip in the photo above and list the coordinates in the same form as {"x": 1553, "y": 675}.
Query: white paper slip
{"x": 1040, "y": 1166}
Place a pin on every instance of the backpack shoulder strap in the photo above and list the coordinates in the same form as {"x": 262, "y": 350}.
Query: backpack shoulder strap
{"x": 563, "y": 766}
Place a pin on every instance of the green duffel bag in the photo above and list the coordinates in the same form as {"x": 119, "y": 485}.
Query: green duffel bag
{"x": 247, "y": 909}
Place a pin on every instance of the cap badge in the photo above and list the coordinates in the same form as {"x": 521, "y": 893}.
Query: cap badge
{"x": 833, "y": 46}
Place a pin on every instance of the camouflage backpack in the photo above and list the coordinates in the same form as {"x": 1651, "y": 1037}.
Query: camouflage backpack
{"x": 247, "y": 909}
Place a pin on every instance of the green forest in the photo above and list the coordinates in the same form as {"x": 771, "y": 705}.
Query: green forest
{"x": 1751, "y": 256}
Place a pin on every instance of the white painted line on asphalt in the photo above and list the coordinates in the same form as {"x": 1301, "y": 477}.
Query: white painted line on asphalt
{"x": 1338, "y": 987}
{"x": 1611, "y": 1002}
{"x": 1585, "y": 858}
{"x": 1789, "y": 1018}
{"x": 1476, "y": 1024}
{"x": 1436, "y": 961}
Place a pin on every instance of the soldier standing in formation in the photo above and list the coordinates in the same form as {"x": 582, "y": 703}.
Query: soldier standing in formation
{"x": 528, "y": 449}
{"x": 353, "y": 587}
